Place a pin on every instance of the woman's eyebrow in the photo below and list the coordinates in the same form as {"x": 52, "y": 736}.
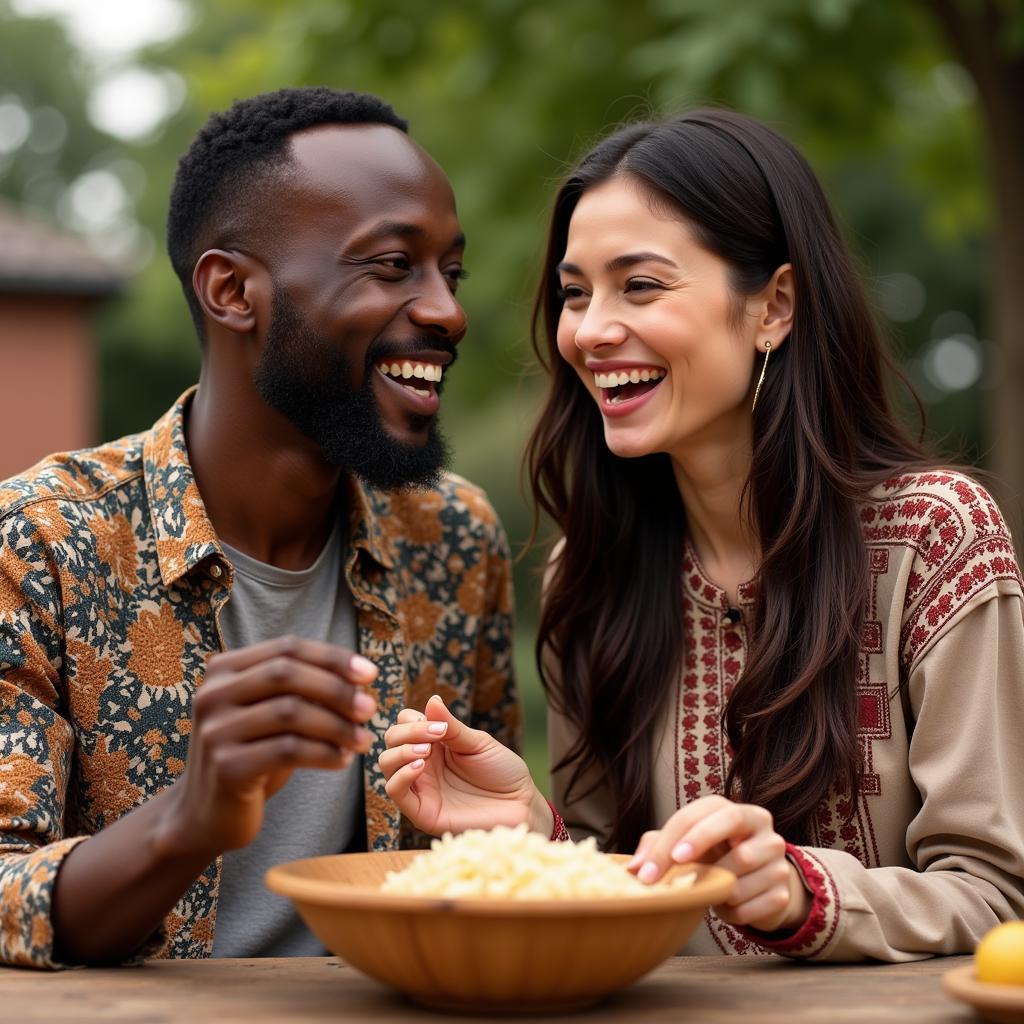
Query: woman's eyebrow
{"x": 628, "y": 259}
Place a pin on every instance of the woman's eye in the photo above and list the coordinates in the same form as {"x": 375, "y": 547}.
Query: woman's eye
{"x": 641, "y": 284}
{"x": 568, "y": 292}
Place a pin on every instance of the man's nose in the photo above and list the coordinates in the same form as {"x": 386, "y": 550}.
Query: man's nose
{"x": 436, "y": 309}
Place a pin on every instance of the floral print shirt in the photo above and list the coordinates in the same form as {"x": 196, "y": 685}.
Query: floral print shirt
{"x": 111, "y": 580}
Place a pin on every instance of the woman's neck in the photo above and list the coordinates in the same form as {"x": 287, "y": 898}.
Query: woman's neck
{"x": 711, "y": 478}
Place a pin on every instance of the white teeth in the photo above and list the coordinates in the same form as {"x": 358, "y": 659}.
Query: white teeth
{"x": 617, "y": 379}
{"x": 407, "y": 371}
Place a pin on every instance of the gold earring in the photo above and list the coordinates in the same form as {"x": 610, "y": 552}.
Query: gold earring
{"x": 764, "y": 366}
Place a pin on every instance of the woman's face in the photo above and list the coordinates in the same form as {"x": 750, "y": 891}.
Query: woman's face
{"x": 649, "y": 323}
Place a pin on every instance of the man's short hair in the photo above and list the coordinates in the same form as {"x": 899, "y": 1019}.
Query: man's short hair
{"x": 216, "y": 194}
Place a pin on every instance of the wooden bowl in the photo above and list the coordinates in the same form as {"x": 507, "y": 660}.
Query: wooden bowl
{"x": 525, "y": 956}
{"x": 1001, "y": 1004}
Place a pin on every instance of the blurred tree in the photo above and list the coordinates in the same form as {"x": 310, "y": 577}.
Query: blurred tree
{"x": 505, "y": 93}
{"x": 989, "y": 38}
{"x": 46, "y": 138}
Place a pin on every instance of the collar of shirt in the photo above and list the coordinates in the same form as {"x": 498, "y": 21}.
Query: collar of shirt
{"x": 184, "y": 534}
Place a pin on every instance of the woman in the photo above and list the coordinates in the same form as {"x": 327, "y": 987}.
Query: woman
{"x": 775, "y": 636}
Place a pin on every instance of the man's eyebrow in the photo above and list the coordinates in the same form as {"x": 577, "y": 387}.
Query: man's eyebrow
{"x": 390, "y": 228}
{"x": 628, "y": 259}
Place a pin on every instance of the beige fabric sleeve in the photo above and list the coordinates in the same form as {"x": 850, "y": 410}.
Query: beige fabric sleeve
{"x": 967, "y": 840}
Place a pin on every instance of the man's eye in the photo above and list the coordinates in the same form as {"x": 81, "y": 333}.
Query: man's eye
{"x": 455, "y": 275}
{"x": 394, "y": 262}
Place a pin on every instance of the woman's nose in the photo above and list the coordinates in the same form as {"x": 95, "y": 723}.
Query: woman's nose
{"x": 598, "y": 329}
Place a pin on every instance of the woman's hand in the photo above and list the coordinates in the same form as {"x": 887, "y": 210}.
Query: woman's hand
{"x": 769, "y": 893}
{"x": 446, "y": 777}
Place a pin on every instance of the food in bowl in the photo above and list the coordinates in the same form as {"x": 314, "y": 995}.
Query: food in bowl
{"x": 516, "y": 864}
{"x": 487, "y": 955}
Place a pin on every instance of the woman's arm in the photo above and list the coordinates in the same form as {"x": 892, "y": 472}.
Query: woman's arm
{"x": 967, "y": 839}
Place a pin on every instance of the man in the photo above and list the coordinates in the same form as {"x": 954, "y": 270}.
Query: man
{"x": 180, "y": 610}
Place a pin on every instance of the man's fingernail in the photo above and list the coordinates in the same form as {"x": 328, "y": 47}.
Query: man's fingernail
{"x": 421, "y": 748}
{"x": 437, "y": 728}
{"x": 649, "y": 872}
{"x": 362, "y": 665}
{"x": 682, "y": 852}
{"x": 364, "y": 704}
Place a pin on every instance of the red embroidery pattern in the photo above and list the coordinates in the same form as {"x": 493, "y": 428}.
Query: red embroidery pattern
{"x": 559, "y": 833}
{"x": 808, "y": 938}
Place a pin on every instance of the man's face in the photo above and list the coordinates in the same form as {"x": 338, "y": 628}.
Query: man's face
{"x": 364, "y": 319}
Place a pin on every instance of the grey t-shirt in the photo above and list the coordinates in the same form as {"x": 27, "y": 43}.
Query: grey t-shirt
{"x": 316, "y": 812}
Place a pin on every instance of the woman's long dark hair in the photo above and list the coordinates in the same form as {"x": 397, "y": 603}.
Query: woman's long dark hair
{"x": 824, "y": 433}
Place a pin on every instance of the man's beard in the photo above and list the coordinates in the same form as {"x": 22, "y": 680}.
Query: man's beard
{"x": 306, "y": 378}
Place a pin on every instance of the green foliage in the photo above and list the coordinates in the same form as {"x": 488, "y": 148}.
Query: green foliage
{"x": 505, "y": 94}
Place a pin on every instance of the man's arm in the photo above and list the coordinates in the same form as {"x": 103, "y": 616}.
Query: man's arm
{"x": 261, "y": 713}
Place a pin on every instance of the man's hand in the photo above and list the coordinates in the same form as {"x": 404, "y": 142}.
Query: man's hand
{"x": 447, "y": 777}
{"x": 262, "y": 712}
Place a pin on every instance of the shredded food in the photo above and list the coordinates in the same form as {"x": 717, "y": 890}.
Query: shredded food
{"x": 514, "y": 863}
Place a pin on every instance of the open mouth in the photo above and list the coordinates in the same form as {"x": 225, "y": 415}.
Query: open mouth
{"x": 627, "y": 385}
{"x": 418, "y": 377}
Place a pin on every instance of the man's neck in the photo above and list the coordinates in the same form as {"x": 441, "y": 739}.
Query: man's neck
{"x": 267, "y": 490}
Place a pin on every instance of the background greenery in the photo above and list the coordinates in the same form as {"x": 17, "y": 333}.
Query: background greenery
{"x": 505, "y": 93}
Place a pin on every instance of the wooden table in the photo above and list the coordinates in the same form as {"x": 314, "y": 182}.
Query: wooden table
{"x": 708, "y": 990}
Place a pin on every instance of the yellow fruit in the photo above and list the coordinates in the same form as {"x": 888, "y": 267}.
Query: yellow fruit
{"x": 999, "y": 958}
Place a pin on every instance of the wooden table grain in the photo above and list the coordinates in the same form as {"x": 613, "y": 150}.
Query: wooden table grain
{"x": 709, "y": 990}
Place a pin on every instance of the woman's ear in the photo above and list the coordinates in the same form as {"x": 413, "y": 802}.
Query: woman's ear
{"x": 777, "y": 307}
{"x": 231, "y": 287}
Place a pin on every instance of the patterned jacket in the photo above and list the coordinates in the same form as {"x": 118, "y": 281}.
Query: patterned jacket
{"x": 111, "y": 579}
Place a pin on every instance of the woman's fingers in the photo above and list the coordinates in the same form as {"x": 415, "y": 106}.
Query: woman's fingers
{"x": 399, "y": 785}
{"x": 772, "y": 875}
{"x": 410, "y": 715}
{"x": 459, "y": 737}
{"x": 691, "y": 834}
{"x": 394, "y": 758}
{"x": 751, "y": 854}
{"x": 767, "y": 909}
{"x": 647, "y": 841}
{"x": 422, "y": 731}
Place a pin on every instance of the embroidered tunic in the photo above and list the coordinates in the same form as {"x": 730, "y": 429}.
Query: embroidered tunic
{"x": 111, "y": 579}
{"x": 934, "y": 854}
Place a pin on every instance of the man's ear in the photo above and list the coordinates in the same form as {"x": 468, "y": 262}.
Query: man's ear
{"x": 777, "y": 306}
{"x": 232, "y": 288}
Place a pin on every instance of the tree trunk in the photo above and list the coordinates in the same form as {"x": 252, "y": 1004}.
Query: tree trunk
{"x": 980, "y": 35}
